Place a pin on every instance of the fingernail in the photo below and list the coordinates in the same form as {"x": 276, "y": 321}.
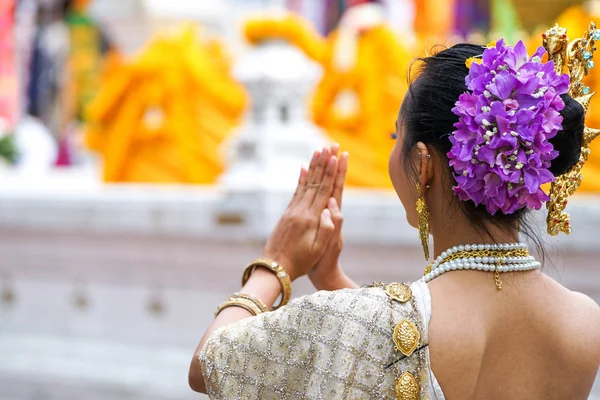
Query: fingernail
{"x": 345, "y": 154}
{"x": 332, "y": 161}
{"x": 332, "y": 203}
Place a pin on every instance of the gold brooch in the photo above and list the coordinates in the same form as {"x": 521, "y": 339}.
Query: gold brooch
{"x": 406, "y": 337}
{"x": 407, "y": 387}
{"x": 399, "y": 292}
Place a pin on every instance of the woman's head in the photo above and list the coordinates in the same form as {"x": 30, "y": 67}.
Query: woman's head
{"x": 425, "y": 124}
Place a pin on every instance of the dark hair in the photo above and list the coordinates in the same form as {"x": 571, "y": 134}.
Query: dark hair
{"x": 427, "y": 117}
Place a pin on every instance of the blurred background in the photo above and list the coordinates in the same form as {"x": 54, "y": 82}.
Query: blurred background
{"x": 147, "y": 147}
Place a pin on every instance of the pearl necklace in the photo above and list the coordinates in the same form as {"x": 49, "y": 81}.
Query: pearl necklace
{"x": 448, "y": 261}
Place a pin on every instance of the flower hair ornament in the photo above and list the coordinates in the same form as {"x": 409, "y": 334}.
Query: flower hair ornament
{"x": 501, "y": 152}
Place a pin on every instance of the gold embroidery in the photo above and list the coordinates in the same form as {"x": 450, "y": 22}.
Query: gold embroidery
{"x": 406, "y": 337}
{"x": 399, "y": 292}
{"x": 407, "y": 387}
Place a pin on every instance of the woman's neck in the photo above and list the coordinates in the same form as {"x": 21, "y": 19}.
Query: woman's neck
{"x": 455, "y": 236}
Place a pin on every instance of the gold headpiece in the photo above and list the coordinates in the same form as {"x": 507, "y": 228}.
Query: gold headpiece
{"x": 577, "y": 57}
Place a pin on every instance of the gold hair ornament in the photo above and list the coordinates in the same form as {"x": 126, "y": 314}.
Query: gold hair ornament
{"x": 577, "y": 57}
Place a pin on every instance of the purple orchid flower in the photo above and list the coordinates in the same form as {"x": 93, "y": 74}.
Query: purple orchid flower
{"x": 501, "y": 152}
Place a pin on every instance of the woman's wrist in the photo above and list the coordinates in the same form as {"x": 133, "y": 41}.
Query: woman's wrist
{"x": 264, "y": 285}
{"x": 334, "y": 279}
{"x": 285, "y": 263}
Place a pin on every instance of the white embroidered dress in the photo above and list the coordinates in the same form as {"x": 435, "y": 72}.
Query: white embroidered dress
{"x": 329, "y": 345}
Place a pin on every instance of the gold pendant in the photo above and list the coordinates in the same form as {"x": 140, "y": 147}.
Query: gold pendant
{"x": 399, "y": 292}
{"x": 497, "y": 280}
{"x": 406, "y": 337}
{"x": 407, "y": 387}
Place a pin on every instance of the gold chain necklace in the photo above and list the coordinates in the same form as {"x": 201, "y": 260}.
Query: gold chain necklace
{"x": 495, "y": 258}
{"x": 480, "y": 253}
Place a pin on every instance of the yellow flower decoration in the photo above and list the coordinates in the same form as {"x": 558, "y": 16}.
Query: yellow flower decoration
{"x": 472, "y": 60}
{"x": 163, "y": 115}
{"x": 477, "y": 59}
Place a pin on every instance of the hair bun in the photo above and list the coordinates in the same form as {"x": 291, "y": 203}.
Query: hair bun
{"x": 568, "y": 140}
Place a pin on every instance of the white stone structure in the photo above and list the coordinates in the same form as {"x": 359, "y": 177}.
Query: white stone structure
{"x": 277, "y": 138}
{"x": 278, "y": 135}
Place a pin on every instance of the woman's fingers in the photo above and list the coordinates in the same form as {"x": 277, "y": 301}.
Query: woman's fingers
{"x": 311, "y": 168}
{"x": 320, "y": 157}
{"x": 301, "y": 188}
{"x": 334, "y": 149}
{"x": 325, "y": 189}
{"x": 340, "y": 179}
{"x": 315, "y": 176}
{"x": 302, "y": 178}
{"x": 316, "y": 180}
{"x": 319, "y": 170}
{"x": 336, "y": 215}
{"x": 335, "y": 246}
{"x": 324, "y": 232}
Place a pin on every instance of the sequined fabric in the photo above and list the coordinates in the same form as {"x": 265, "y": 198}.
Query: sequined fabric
{"x": 329, "y": 345}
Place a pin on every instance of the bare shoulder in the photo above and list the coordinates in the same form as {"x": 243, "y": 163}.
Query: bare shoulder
{"x": 586, "y": 302}
{"x": 588, "y": 309}
{"x": 577, "y": 304}
{"x": 584, "y": 313}
{"x": 575, "y": 318}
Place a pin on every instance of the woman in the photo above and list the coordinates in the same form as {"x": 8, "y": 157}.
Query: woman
{"x": 472, "y": 151}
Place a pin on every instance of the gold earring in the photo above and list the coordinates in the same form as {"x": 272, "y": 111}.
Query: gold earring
{"x": 423, "y": 213}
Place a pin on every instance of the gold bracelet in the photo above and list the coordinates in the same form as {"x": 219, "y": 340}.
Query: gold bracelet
{"x": 282, "y": 276}
{"x": 239, "y": 302}
{"x": 258, "y": 302}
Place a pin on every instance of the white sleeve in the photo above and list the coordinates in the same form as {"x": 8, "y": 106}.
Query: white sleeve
{"x": 332, "y": 345}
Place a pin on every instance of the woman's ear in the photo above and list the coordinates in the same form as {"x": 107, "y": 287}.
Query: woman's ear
{"x": 425, "y": 165}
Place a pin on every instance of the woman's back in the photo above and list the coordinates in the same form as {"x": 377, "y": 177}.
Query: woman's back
{"x": 534, "y": 339}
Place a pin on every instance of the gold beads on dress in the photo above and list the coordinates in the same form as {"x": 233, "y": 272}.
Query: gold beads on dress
{"x": 399, "y": 292}
{"x": 407, "y": 387}
{"x": 406, "y": 337}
